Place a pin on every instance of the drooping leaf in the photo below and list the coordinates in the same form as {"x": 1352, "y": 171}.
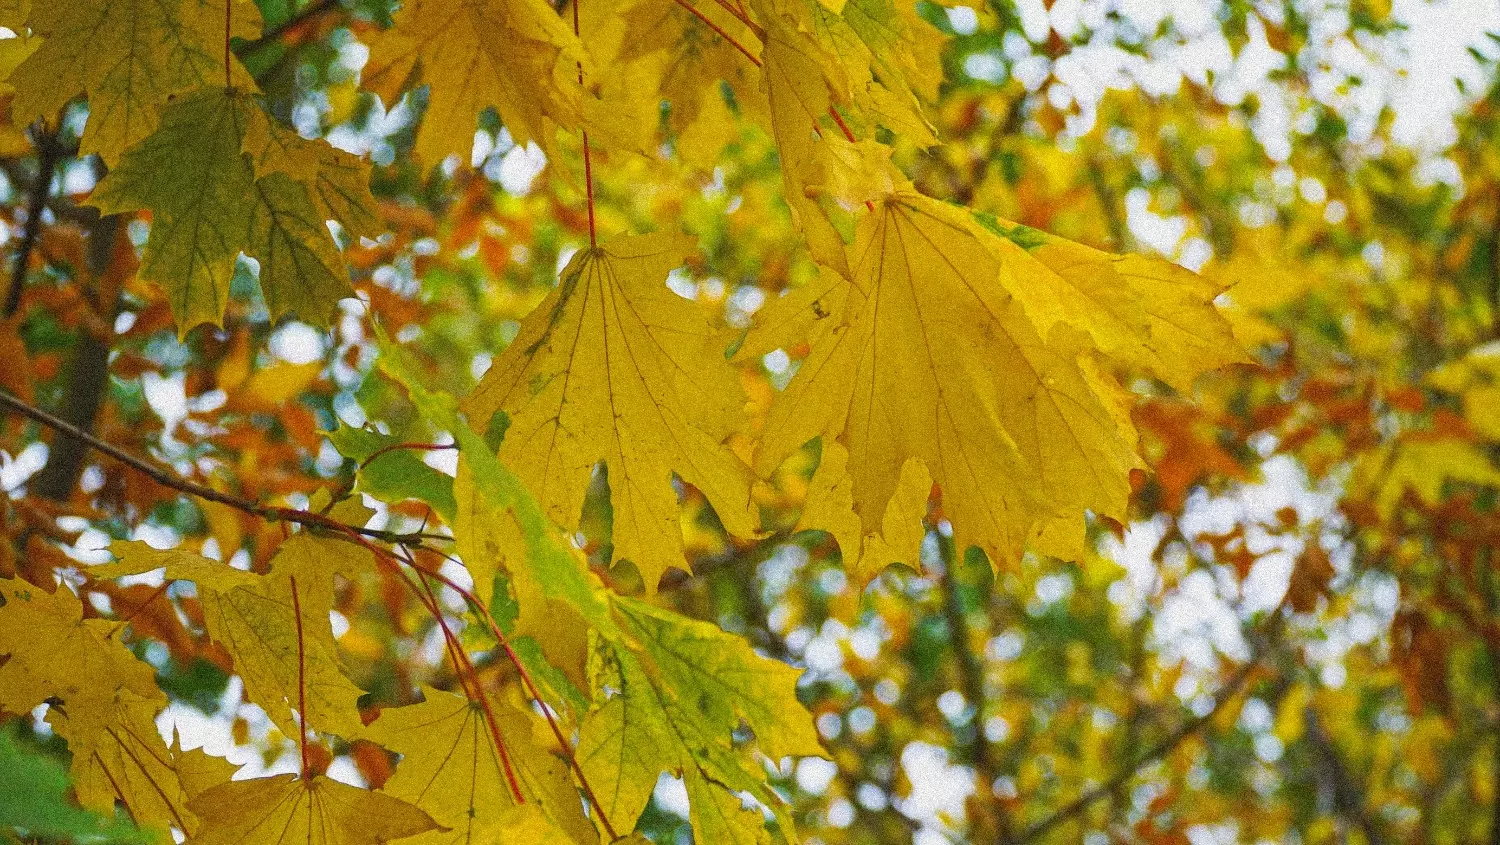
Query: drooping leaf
{"x": 800, "y": 95}
{"x": 130, "y": 57}
{"x": 451, "y": 768}
{"x": 489, "y": 540}
{"x": 552, "y": 565}
{"x": 927, "y": 355}
{"x": 673, "y": 677}
{"x": 215, "y": 192}
{"x": 514, "y": 55}
{"x": 286, "y": 809}
{"x": 614, "y": 367}
{"x": 664, "y": 52}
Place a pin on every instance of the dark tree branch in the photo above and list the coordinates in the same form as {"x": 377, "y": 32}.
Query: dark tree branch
{"x": 1109, "y": 203}
{"x": 168, "y": 478}
{"x": 1348, "y": 798}
{"x": 275, "y": 33}
{"x": 971, "y": 679}
{"x": 1494, "y": 655}
{"x": 1494, "y": 287}
{"x": 89, "y": 373}
{"x": 49, "y": 153}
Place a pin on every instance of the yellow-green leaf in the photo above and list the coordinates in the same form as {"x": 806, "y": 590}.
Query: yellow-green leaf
{"x": 285, "y": 809}
{"x": 217, "y": 189}
{"x": 614, "y": 367}
{"x": 515, "y": 55}
{"x": 129, "y": 57}
{"x": 452, "y": 769}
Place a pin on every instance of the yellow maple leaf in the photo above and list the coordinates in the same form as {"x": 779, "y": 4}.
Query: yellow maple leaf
{"x": 925, "y": 354}
{"x": 119, "y": 755}
{"x": 1143, "y": 312}
{"x": 452, "y": 770}
{"x": 830, "y": 507}
{"x": 280, "y": 654}
{"x": 55, "y": 653}
{"x": 286, "y": 809}
{"x": 515, "y": 55}
{"x": 129, "y": 57}
{"x": 198, "y": 771}
{"x": 614, "y": 367}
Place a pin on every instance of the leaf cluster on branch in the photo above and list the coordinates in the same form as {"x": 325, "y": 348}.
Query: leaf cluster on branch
{"x": 953, "y": 368}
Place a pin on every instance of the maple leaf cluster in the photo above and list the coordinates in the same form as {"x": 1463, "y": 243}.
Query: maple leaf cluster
{"x": 952, "y": 368}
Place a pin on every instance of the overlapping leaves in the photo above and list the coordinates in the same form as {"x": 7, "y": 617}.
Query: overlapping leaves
{"x": 671, "y": 693}
{"x": 984, "y": 358}
{"x": 130, "y": 57}
{"x": 947, "y": 351}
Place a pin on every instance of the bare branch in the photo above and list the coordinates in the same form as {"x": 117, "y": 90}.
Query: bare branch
{"x": 167, "y": 478}
{"x": 1166, "y": 746}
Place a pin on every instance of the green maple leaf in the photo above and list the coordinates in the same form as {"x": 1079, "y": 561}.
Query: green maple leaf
{"x": 220, "y": 181}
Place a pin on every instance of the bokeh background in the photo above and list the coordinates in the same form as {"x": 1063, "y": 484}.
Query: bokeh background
{"x": 1296, "y": 636}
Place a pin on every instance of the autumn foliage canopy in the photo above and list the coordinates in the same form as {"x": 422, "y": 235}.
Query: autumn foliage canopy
{"x": 743, "y": 421}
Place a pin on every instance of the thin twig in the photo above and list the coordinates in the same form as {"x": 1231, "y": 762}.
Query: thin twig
{"x": 469, "y": 677}
{"x": 275, "y": 33}
{"x": 416, "y": 447}
{"x": 228, "y": 83}
{"x": 739, "y": 15}
{"x": 588, "y": 159}
{"x": 754, "y": 59}
{"x": 301, "y": 680}
{"x": 1167, "y": 745}
{"x": 167, "y": 478}
{"x": 1348, "y": 798}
